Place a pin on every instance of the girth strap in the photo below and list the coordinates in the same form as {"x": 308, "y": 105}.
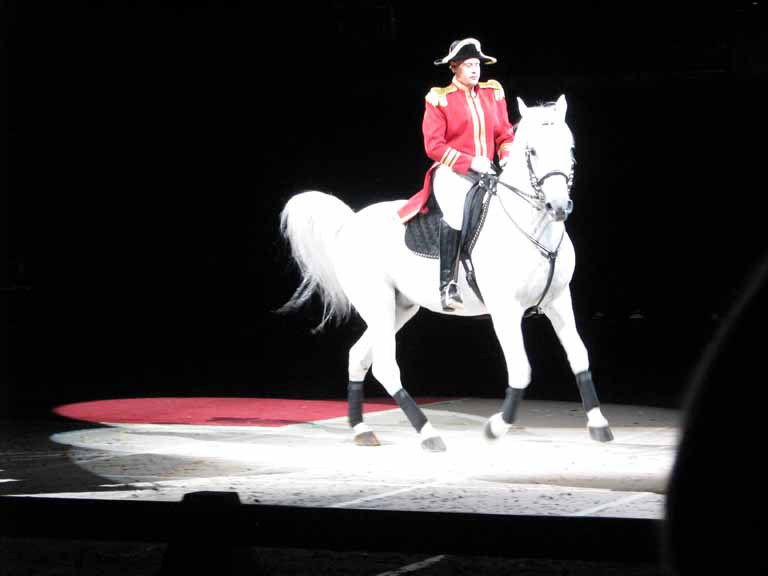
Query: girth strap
{"x": 535, "y": 310}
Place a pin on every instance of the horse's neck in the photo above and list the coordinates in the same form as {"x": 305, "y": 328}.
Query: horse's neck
{"x": 537, "y": 224}
{"x": 548, "y": 232}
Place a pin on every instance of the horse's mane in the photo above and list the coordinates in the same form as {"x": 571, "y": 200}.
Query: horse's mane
{"x": 547, "y": 104}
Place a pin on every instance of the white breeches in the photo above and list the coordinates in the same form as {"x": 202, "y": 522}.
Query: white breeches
{"x": 450, "y": 189}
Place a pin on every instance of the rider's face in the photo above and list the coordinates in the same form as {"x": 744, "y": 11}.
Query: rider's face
{"x": 467, "y": 72}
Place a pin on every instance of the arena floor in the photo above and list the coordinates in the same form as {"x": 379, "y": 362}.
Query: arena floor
{"x": 546, "y": 465}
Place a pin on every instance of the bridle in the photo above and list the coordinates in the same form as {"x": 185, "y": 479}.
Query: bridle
{"x": 537, "y": 200}
{"x": 536, "y": 183}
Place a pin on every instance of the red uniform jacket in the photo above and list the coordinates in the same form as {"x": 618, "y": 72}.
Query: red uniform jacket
{"x": 457, "y": 127}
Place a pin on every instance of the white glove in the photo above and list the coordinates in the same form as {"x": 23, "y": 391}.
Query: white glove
{"x": 503, "y": 161}
{"x": 480, "y": 164}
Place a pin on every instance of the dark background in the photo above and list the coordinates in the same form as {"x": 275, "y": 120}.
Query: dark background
{"x": 189, "y": 126}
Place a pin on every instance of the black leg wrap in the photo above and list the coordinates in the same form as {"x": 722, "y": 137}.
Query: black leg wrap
{"x": 587, "y": 390}
{"x": 355, "y": 403}
{"x": 411, "y": 409}
{"x": 511, "y": 403}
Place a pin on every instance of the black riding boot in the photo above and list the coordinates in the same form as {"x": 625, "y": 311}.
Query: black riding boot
{"x": 450, "y": 297}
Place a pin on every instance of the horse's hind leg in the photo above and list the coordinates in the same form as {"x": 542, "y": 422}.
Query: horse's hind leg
{"x": 380, "y": 311}
{"x": 560, "y": 313}
{"x": 360, "y": 360}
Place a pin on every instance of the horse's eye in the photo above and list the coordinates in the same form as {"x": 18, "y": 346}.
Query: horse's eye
{"x": 533, "y": 152}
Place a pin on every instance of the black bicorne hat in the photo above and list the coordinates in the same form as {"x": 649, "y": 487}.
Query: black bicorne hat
{"x": 463, "y": 49}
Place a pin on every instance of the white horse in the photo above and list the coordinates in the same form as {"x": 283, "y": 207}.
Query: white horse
{"x": 522, "y": 258}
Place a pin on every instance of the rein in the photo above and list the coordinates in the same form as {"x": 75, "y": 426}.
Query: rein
{"x": 490, "y": 183}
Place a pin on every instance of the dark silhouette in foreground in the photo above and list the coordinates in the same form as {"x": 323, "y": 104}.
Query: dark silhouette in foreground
{"x": 715, "y": 514}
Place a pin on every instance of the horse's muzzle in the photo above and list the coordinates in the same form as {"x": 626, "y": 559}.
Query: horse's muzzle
{"x": 560, "y": 213}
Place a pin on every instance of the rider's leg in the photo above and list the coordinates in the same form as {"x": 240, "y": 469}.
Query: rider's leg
{"x": 450, "y": 297}
{"x": 450, "y": 191}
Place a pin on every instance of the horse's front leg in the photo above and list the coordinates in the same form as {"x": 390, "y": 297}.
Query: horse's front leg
{"x": 507, "y": 325}
{"x": 560, "y": 314}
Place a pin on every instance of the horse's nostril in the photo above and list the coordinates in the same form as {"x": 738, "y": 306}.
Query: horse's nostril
{"x": 569, "y": 206}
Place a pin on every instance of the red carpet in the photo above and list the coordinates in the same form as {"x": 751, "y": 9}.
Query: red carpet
{"x": 218, "y": 411}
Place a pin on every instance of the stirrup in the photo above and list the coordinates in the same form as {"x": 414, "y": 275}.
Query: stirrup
{"x": 450, "y": 297}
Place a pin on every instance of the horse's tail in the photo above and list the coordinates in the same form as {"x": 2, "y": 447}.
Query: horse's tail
{"x": 310, "y": 223}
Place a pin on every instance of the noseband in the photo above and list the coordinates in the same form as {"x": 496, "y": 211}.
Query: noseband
{"x": 536, "y": 183}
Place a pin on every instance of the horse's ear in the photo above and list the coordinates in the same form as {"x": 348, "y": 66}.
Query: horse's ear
{"x": 521, "y": 107}
{"x": 561, "y": 105}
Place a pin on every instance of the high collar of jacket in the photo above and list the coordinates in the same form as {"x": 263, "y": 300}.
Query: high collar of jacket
{"x": 472, "y": 91}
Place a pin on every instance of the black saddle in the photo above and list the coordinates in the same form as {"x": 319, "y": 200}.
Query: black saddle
{"x": 422, "y": 232}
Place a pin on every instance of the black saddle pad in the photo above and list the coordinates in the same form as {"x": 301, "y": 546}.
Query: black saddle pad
{"x": 422, "y": 233}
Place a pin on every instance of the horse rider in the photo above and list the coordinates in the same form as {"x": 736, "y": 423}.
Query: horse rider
{"x": 465, "y": 125}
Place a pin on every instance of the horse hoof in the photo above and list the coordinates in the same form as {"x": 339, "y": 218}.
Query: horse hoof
{"x": 601, "y": 433}
{"x": 367, "y": 439}
{"x": 495, "y": 427}
{"x": 433, "y": 444}
{"x": 488, "y": 431}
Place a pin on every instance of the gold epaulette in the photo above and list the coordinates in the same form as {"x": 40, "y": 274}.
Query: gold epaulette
{"x": 437, "y": 96}
{"x": 498, "y": 91}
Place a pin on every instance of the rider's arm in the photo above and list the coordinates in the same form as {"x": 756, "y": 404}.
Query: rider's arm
{"x": 503, "y": 131}
{"x": 433, "y": 128}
